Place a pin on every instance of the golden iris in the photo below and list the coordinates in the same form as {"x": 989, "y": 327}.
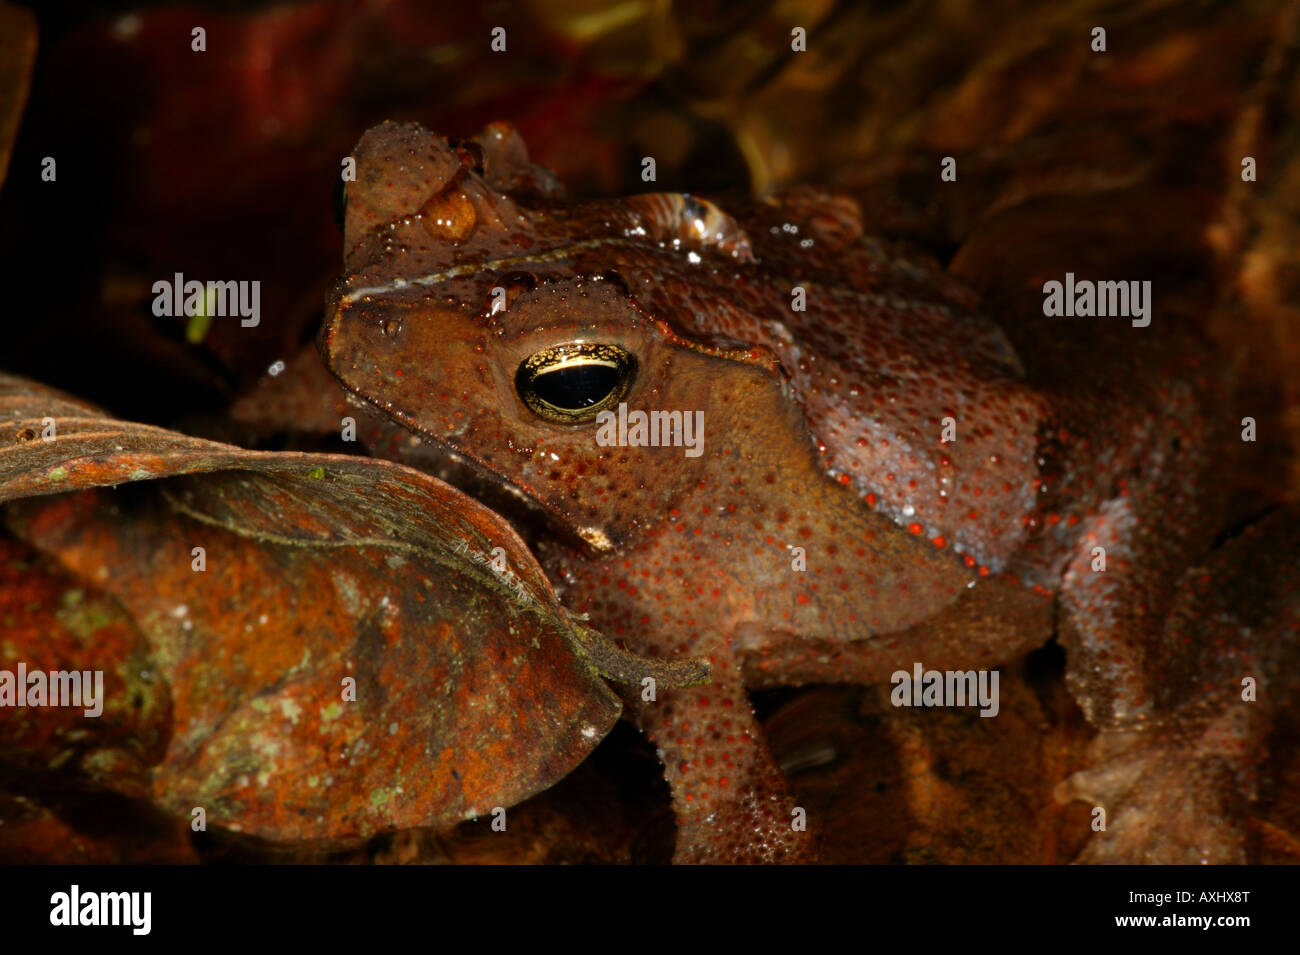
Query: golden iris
{"x": 572, "y": 383}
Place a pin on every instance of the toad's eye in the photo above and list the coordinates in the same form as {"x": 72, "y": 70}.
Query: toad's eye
{"x": 571, "y": 383}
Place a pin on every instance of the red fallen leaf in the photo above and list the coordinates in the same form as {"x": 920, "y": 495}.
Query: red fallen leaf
{"x": 612, "y": 810}
{"x": 54, "y": 763}
{"x": 473, "y": 688}
{"x": 52, "y": 622}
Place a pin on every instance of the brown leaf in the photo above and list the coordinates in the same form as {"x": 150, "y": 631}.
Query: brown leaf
{"x": 472, "y": 687}
{"x": 50, "y": 621}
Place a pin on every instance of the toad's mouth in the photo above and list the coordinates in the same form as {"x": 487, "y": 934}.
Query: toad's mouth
{"x": 398, "y": 438}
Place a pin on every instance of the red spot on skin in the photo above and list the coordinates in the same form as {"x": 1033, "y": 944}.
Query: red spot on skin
{"x": 938, "y": 541}
{"x": 914, "y": 528}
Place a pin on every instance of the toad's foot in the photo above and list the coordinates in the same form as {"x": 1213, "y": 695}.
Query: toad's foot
{"x": 1170, "y": 797}
{"x": 1184, "y": 717}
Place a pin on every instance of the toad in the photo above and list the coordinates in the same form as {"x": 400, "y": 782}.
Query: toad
{"x": 875, "y": 477}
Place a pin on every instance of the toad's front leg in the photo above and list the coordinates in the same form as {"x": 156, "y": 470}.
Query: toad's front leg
{"x": 731, "y": 802}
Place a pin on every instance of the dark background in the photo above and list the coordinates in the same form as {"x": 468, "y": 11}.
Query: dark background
{"x": 221, "y": 165}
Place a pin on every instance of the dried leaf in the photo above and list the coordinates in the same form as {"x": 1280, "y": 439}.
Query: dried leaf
{"x": 472, "y": 688}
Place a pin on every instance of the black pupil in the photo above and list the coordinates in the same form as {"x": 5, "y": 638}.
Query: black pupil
{"x": 575, "y": 386}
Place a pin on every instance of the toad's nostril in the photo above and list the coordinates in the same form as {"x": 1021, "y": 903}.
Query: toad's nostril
{"x": 471, "y": 155}
{"x": 614, "y": 278}
{"x": 518, "y": 282}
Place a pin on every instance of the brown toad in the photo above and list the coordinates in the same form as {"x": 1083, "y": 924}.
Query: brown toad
{"x": 764, "y": 437}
